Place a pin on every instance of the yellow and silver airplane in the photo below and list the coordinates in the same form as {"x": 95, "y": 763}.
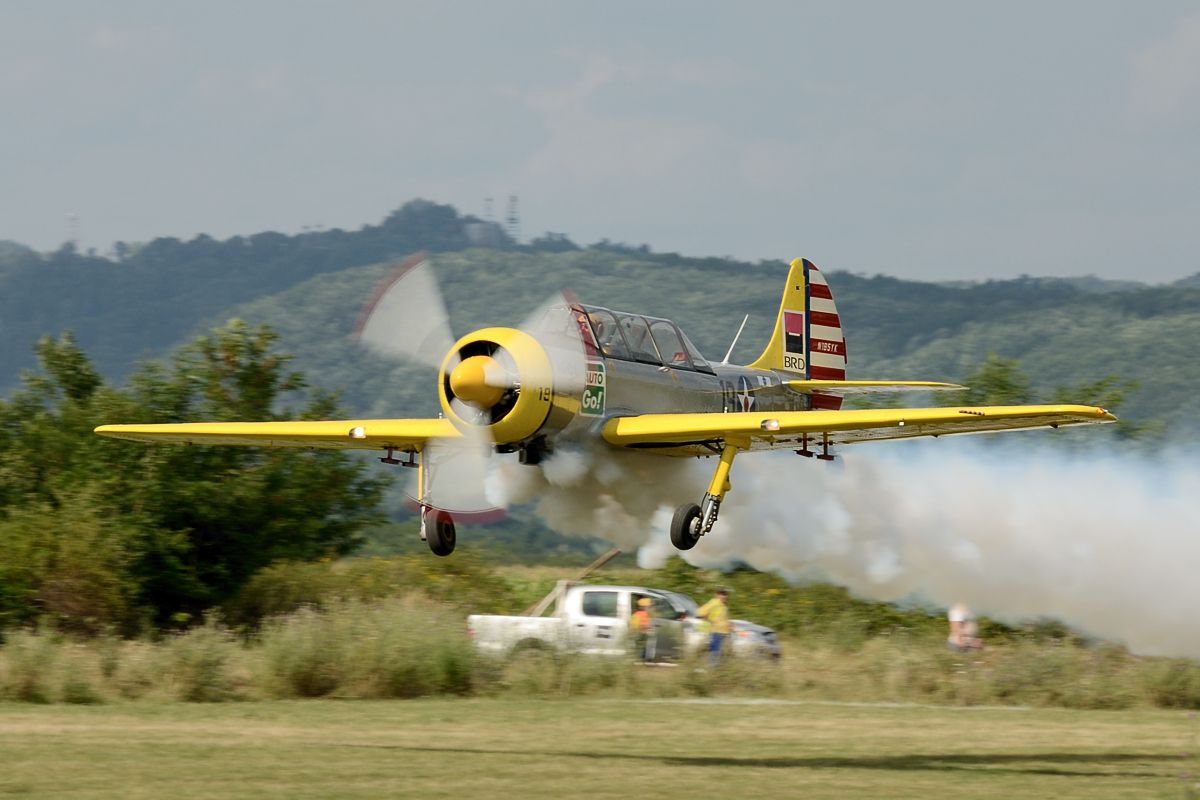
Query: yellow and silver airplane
{"x": 580, "y": 373}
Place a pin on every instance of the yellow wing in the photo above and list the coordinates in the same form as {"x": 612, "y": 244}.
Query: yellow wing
{"x": 699, "y": 434}
{"x": 405, "y": 435}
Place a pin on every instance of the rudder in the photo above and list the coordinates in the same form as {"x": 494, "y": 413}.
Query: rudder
{"x": 807, "y": 340}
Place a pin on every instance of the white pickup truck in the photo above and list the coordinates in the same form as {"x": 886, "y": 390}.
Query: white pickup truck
{"x": 595, "y": 620}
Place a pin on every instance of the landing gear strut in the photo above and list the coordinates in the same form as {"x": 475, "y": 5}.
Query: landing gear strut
{"x": 692, "y": 521}
{"x": 437, "y": 526}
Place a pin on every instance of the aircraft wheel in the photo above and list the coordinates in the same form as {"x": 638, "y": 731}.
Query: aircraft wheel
{"x": 685, "y": 526}
{"x": 439, "y": 532}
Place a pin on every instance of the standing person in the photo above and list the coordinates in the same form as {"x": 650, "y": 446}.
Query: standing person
{"x": 641, "y": 625}
{"x": 716, "y": 612}
{"x": 963, "y": 629}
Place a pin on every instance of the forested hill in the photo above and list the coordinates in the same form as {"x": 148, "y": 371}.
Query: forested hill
{"x": 311, "y": 286}
{"x": 147, "y": 297}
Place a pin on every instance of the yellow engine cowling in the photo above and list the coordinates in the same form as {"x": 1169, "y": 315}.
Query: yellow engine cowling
{"x": 504, "y": 381}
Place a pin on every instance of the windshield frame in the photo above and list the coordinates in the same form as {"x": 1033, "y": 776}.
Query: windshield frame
{"x": 694, "y": 361}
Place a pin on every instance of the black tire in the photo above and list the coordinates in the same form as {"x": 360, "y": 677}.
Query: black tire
{"x": 439, "y": 532}
{"x": 685, "y": 527}
{"x": 527, "y": 646}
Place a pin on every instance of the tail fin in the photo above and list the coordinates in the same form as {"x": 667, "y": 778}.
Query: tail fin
{"x": 808, "y": 337}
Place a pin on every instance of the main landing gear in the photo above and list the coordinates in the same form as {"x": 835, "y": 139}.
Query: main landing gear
{"x": 437, "y": 526}
{"x": 437, "y": 529}
{"x": 692, "y": 521}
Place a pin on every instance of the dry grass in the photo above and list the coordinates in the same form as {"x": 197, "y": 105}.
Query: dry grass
{"x": 410, "y": 647}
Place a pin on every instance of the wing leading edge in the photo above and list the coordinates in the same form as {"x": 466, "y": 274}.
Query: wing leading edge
{"x": 405, "y": 435}
{"x": 695, "y": 434}
{"x": 842, "y": 388}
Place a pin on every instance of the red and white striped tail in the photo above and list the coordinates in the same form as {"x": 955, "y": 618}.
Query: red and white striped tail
{"x": 826, "y": 344}
{"x": 807, "y": 340}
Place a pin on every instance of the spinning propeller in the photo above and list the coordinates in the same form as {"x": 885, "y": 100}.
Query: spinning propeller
{"x": 501, "y": 387}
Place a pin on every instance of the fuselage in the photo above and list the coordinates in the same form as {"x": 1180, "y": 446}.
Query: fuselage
{"x": 580, "y": 366}
{"x": 646, "y": 365}
{"x": 640, "y": 388}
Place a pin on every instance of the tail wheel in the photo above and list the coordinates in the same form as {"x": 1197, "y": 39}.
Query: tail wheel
{"x": 685, "y": 526}
{"x": 439, "y": 532}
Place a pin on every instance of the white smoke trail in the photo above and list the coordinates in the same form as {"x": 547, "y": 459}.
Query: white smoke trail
{"x": 598, "y": 492}
{"x": 1109, "y": 545}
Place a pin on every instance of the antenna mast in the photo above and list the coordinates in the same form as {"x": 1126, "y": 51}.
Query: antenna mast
{"x": 736, "y": 336}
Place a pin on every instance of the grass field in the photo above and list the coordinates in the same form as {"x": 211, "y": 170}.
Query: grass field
{"x": 485, "y": 748}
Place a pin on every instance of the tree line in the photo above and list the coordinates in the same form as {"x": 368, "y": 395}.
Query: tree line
{"x": 99, "y": 535}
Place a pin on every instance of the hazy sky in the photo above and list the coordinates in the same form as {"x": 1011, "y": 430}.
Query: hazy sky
{"x": 925, "y": 140}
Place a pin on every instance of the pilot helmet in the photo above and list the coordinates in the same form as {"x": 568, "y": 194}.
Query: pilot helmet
{"x": 597, "y": 323}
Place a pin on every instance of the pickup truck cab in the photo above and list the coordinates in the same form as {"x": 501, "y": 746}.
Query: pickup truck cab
{"x": 594, "y": 620}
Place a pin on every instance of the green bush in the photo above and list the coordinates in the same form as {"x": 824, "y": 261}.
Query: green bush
{"x": 65, "y": 564}
{"x": 200, "y": 662}
{"x": 79, "y": 675}
{"x": 302, "y": 654}
{"x": 462, "y": 582}
{"x": 1173, "y": 683}
{"x": 405, "y": 647}
{"x": 139, "y": 669}
{"x": 28, "y": 667}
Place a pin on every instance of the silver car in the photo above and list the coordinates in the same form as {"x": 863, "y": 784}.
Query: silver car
{"x": 746, "y": 638}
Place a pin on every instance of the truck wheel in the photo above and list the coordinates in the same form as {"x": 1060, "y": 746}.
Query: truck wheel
{"x": 532, "y": 657}
{"x": 685, "y": 526}
{"x": 439, "y": 532}
{"x": 529, "y": 646}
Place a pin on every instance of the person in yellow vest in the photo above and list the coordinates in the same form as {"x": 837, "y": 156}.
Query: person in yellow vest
{"x": 641, "y": 625}
{"x": 716, "y": 613}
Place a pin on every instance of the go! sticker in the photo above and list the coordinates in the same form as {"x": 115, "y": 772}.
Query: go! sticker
{"x": 593, "y": 390}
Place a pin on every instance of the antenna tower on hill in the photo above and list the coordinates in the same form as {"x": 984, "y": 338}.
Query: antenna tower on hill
{"x": 512, "y": 220}
{"x": 73, "y": 229}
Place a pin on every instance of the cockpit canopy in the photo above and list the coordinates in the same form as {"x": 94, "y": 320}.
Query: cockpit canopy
{"x": 636, "y": 337}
